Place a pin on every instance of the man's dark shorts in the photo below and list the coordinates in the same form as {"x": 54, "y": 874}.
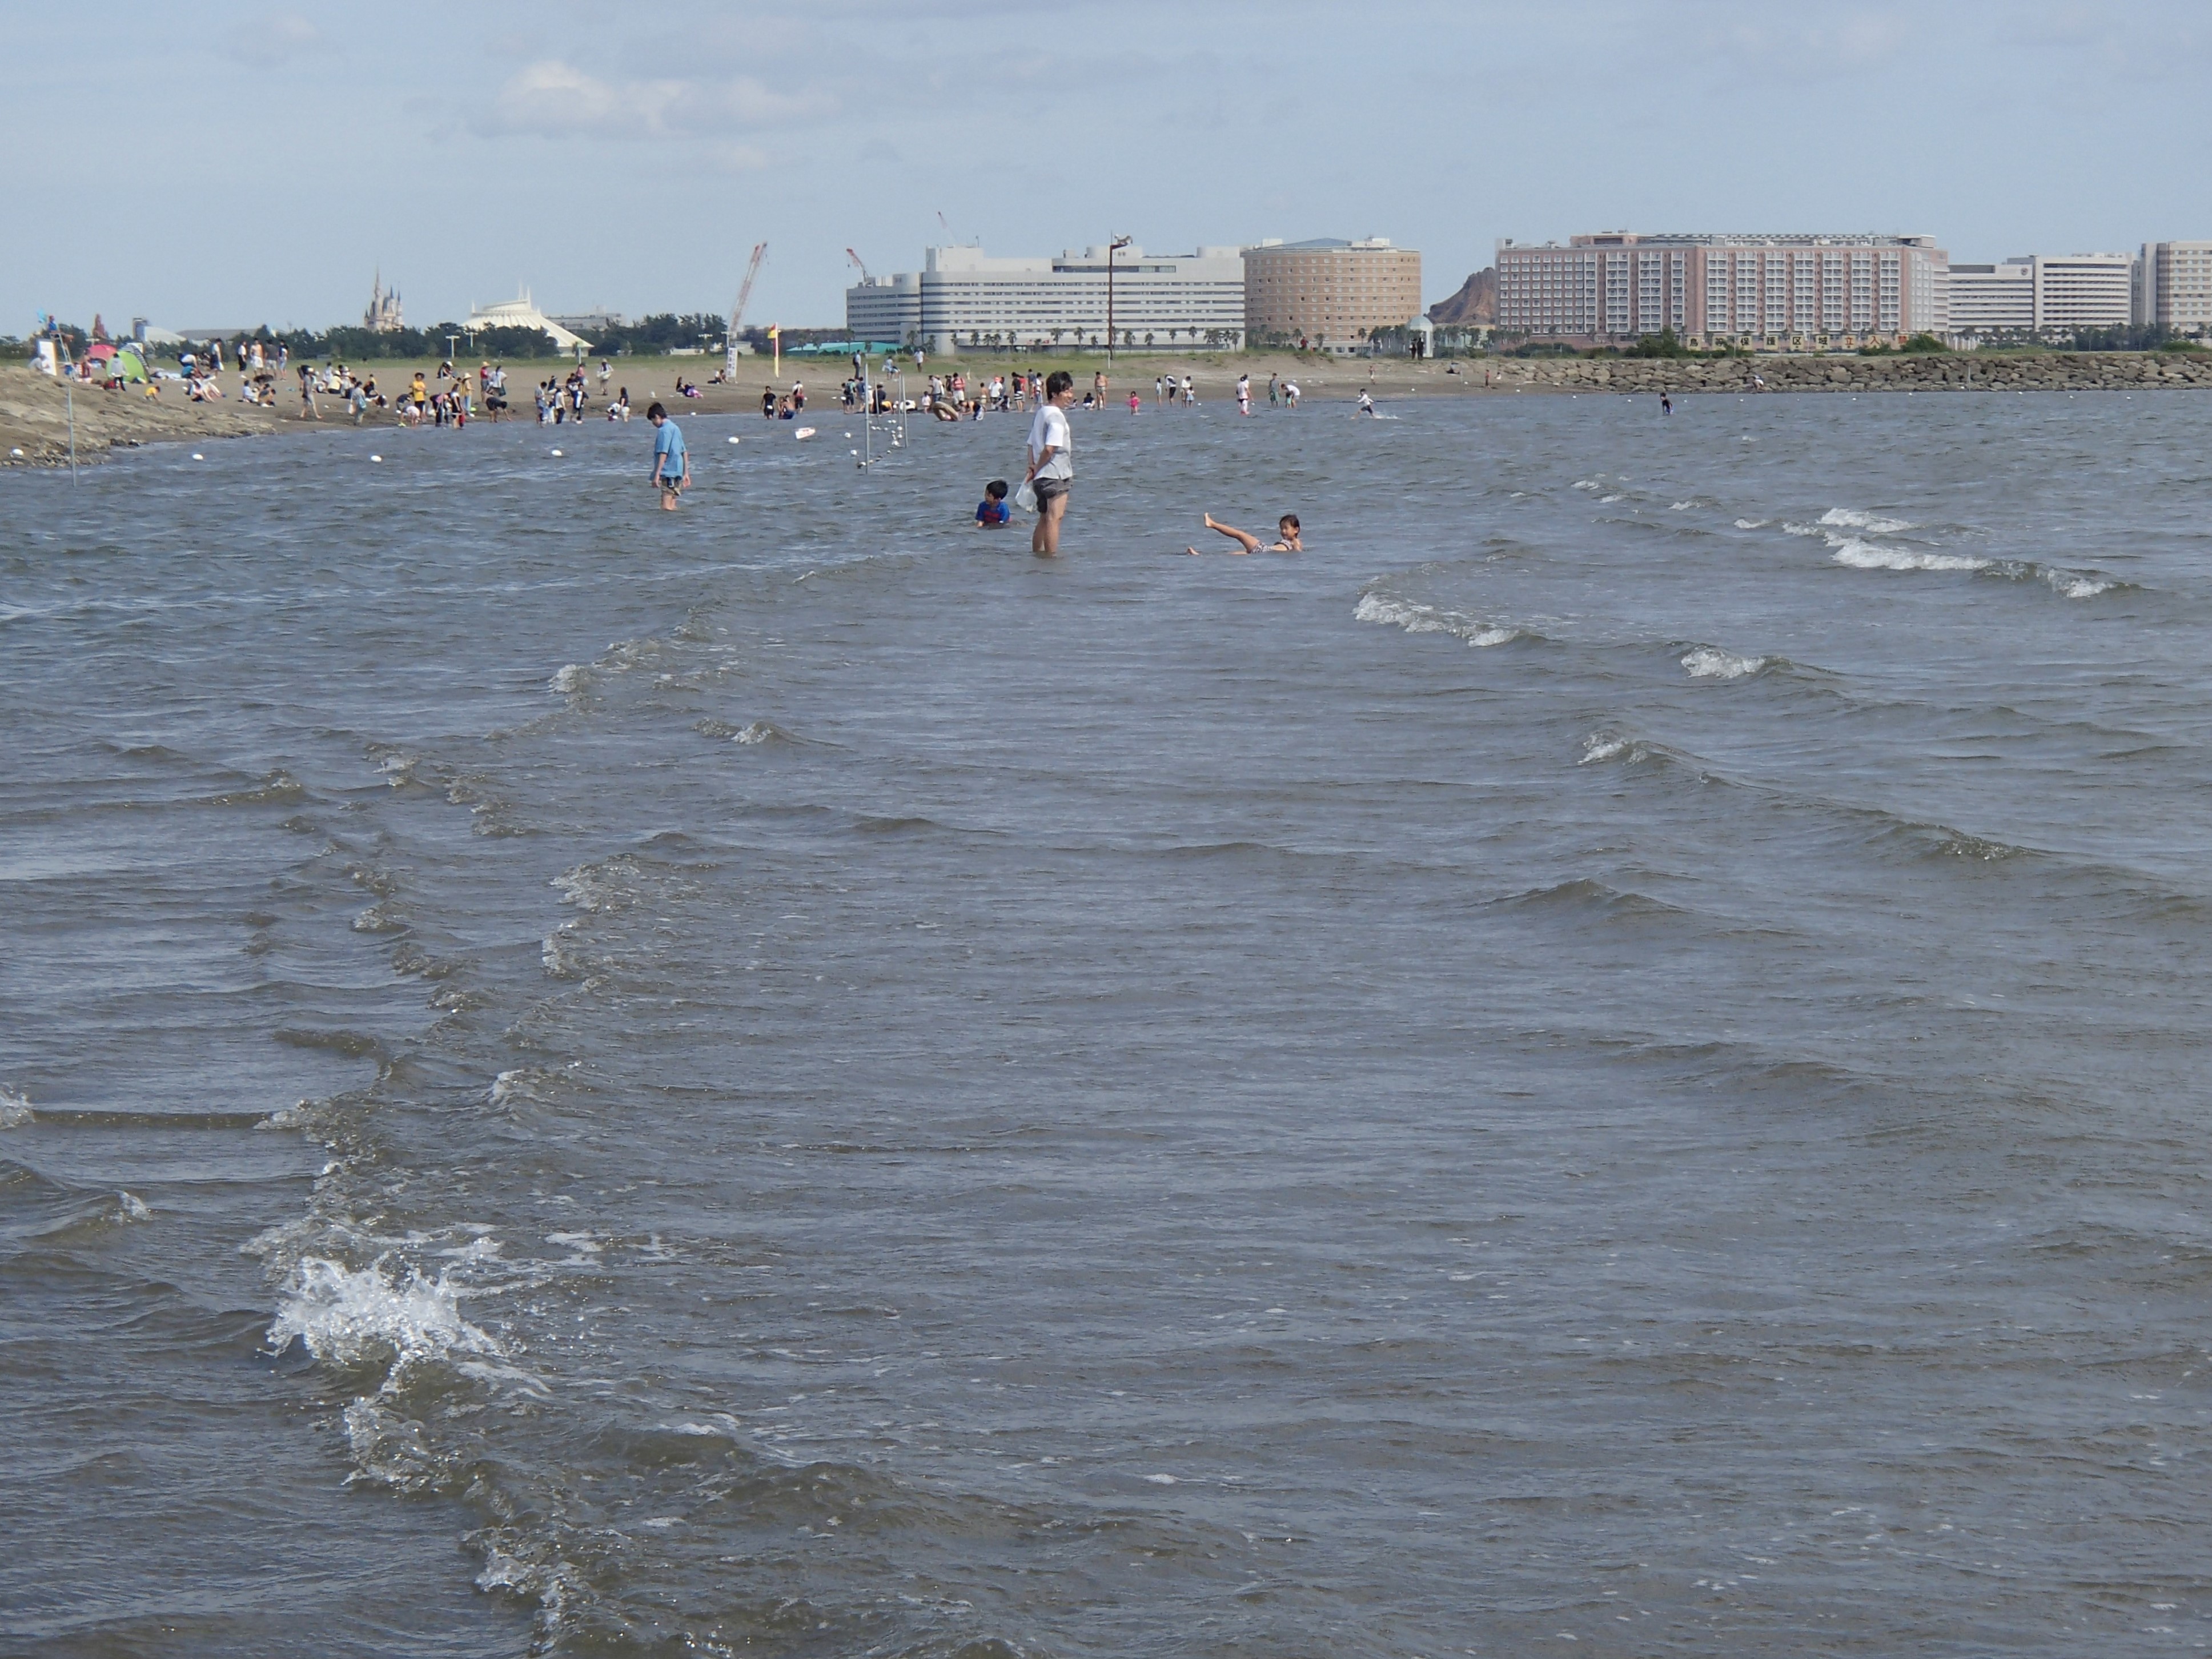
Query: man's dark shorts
{"x": 1049, "y": 490}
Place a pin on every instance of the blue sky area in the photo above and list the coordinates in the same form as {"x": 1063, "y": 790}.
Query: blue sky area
{"x": 226, "y": 164}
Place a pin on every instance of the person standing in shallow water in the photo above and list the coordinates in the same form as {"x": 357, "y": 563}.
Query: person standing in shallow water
{"x": 1051, "y": 467}
{"x": 671, "y": 462}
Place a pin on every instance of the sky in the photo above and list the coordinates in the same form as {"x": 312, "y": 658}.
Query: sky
{"x": 222, "y": 164}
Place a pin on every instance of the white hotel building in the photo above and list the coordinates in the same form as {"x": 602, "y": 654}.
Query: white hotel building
{"x": 2043, "y": 293}
{"x": 962, "y": 297}
{"x": 1770, "y": 292}
{"x": 2173, "y": 286}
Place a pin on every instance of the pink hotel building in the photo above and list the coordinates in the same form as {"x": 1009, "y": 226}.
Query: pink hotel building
{"x": 1776, "y": 292}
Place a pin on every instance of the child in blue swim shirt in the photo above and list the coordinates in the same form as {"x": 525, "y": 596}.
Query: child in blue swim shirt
{"x": 991, "y": 510}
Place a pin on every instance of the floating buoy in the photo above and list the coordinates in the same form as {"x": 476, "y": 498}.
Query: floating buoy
{"x": 16, "y": 453}
{"x": 556, "y": 452}
{"x": 736, "y": 440}
{"x": 803, "y": 432}
{"x": 198, "y": 456}
{"x": 376, "y": 457}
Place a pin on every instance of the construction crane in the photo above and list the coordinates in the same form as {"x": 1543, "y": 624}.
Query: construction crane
{"x": 737, "y": 312}
{"x": 861, "y": 263}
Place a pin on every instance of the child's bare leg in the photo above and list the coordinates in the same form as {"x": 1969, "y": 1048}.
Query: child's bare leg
{"x": 1246, "y": 542}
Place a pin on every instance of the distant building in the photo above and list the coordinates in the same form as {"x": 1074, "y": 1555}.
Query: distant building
{"x": 1327, "y": 292}
{"x": 1992, "y": 299}
{"x": 383, "y": 315}
{"x": 589, "y": 323}
{"x": 1770, "y": 292}
{"x": 520, "y": 313}
{"x": 2173, "y": 286}
{"x": 2081, "y": 290}
{"x": 962, "y": 297}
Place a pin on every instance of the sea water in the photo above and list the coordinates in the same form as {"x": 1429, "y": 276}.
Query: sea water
{"x": 1610, "y": 1061}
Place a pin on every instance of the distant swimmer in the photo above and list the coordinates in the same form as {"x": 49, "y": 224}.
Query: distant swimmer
{"x": 1366, "y": 401}
{"x": 1666, "y": 405}
{"x": 1286, "y": 530}
{"x": 1243, "y": 394}
{"x": 1290, "y": 394}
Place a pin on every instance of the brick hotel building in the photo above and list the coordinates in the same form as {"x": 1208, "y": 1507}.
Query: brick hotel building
{"x": 1770, "y": 292}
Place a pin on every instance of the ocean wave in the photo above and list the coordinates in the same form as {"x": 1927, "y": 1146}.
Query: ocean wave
{"x": 2075, "y": 585}
{"x": 571, "y": 681}
{"x": 354, "y": 1316}
{"x": 1752, "y": 523}
{"x": 1583, "y": 892}
{"x": 16, "y": 1111}
{"x": 1706, "y": 662}
{"x": 610, "y": 885}
{"x": 1853, "y": 518}
{"x": 1417, "y": 618}
{"x": 754, "y": 732}
{"x": 1861, "y": 554}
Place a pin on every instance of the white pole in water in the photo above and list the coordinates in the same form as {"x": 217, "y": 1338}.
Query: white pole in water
{"x": 70, "y": 392}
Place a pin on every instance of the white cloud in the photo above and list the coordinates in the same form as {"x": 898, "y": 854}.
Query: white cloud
{"x": 266, "y": 42}
{"x": 556, "y": 100}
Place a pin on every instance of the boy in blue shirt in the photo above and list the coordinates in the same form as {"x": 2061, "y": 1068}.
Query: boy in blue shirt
{"x": 671, "y": 462}
{"x": 991, "y": 510}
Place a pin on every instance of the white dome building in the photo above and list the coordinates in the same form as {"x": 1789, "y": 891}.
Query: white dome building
{"x": 522, "y": 314}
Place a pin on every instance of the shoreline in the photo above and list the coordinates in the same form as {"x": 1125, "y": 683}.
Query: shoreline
{"x": 34, "y": 415}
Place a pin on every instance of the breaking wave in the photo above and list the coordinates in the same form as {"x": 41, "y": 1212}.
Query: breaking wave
{"x": 365, "y": 1316}
{"x": 1417, "y": 618}
{"x": 1706, "y": 662}
{"x": 1853, "y": 518}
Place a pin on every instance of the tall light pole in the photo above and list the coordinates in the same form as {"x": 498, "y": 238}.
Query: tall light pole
{"x": 1112, "y": 248}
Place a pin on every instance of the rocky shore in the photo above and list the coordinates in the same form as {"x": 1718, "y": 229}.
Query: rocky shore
{"x": 2056, "y": 371}
{"x": 34, "y": 418}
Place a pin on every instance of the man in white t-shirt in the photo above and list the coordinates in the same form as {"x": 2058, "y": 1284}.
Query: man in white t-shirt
{"x": 1051, "y": 467}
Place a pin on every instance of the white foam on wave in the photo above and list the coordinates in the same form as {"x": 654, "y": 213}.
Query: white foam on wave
{"x": 1602, "y": 499}
{"x": 347, "y": 1315}
{"x": 1417, "y": 618}
{"x": 1603, "y": 748}
{"x": 1803, "y": 529}
{"x": 1590, "y": 485}
{"x": 15, "y": 1109}
{"x": 758, "y": 731}
{"x": 1752, "y": 523}
{"x": 1853, "y": 518}
{"x": 2078, "y": 584}
{"x": 1706, "y": 662}
{"x": 596, "y": 887}
{"x": 1684, "y": 507}
{"x": 571, "y": 680}
{"x": 1863, "y": 555}
{"x": 135, "y": 1208}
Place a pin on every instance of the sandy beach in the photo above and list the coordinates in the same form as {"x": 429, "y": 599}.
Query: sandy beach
{"x": 34, "y": 410}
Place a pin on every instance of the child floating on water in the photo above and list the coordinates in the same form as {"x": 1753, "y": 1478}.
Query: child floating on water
{"x": 991, "y": 510}
{"x": 1286, "y": 528}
